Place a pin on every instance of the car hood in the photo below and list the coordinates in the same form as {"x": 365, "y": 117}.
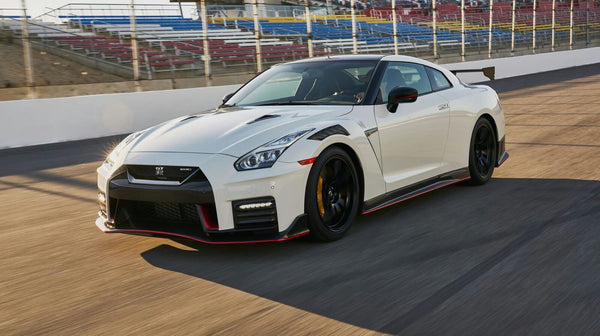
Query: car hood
{"x": 232, "y": 130}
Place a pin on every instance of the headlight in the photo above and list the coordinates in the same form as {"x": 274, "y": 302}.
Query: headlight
{"x": 116, "y": 152}
{"x": 266, "y": 155}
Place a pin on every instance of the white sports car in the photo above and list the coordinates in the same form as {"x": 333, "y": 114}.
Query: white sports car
{"x": 302, "y": 149}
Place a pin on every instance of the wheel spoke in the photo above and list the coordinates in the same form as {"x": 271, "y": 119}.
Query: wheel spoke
{"x": 337, "y": 209}
{"x": 337, "y": 168}
{"x": 483, "y": 136}
{"x": 328, "y": 218}
{"x": 342, "y": 201}
{"x": 484, "y": 133}
{"x": 342, "y": 181}
{"x": 481, "y": 165}
{"x": 327, "y": 174}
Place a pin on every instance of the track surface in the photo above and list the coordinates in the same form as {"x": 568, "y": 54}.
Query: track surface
{"x": 520, "y": 255}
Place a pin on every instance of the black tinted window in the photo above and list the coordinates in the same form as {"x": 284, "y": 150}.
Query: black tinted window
{"x": 401, "y": 74}
{"x": 438, "y": 80}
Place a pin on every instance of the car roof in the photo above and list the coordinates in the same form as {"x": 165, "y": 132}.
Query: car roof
{"x": 397, "y": 58}
{"x": 401, "y": 58}
{"x": 341, "y": 58}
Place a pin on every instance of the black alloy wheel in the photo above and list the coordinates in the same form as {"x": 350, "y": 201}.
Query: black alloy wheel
{"x": 332, "y": 195}
{"x": 483, "y": 152}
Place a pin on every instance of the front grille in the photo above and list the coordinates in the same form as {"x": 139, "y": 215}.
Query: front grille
{"x": 165, "y": 173}
{"x": 167, "y": 211}
{"x": 186, "y": 209}
{"x": 183, "y": 218}
{"x": 255, "y": 218}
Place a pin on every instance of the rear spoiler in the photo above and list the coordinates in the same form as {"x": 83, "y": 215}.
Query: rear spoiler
{"x": 489, "y": 72}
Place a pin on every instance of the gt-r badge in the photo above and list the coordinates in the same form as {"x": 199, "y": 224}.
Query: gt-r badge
{"x": 159, "y": 171}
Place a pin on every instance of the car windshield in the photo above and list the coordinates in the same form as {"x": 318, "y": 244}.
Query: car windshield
{"x": 308, "y": 83}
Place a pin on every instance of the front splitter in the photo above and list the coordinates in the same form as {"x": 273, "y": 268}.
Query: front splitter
{"x": 296, "y": 230}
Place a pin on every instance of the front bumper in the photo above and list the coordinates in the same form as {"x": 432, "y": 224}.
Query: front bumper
{"x": 211, "y": 209}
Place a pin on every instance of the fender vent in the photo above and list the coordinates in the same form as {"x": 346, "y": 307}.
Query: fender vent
{"x": 329, "y": 131}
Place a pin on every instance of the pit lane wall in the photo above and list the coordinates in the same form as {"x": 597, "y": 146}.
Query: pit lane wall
{"x": 43, "y": 121}
{"x": 527, "y": 64}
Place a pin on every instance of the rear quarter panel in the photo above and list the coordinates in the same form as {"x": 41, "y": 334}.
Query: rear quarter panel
{"x": 467, "y": 105}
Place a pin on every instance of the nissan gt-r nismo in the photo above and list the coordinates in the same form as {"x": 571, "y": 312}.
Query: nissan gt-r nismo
{"x": 302, "y": 149}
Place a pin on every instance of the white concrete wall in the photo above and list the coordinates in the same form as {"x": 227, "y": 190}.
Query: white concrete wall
{"x": 42, "y": 121}
{"x": 528, "y": 64}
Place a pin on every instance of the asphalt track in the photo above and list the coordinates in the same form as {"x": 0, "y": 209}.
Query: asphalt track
{"x": 518, "y": 256}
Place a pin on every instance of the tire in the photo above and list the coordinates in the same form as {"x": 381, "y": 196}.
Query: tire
{"x": 482, "y": 152}
{"x": 332, "y": 195}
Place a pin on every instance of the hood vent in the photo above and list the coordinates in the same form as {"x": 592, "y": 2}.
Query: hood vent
{"x": 265, "y": 117}
{"x": 189, "y": 117}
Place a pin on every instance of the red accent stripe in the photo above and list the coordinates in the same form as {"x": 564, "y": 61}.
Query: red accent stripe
{"x": 206, "y": 241}
{"x": 307, "y": 161}
{"x": 210, "y": 223}
{"x": 413, "y": 196}
{"x": 405, "y": 97}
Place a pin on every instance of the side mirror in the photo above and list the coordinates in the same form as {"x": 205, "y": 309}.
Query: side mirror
{"x": 227, "y": 96}
{"x": 399, "y": 95}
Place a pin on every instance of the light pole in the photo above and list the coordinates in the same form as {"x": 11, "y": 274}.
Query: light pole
{"x": 135, "y": 62}
{"x": 308, "y": 29}
{"x": 512, "y": 29}
{"x": 534, "y": 16}
{"x": 553, "y": 21}
{"x": 395, "y": 27}
{"x": 490, "y": 36}
{"x": 571, "y": 26}
{"x": 27, "y": 51}
{"x": 353, "y": 15}
{"x": 257, "y": 37}
{"x": 462, "y": 30}
{"x": 434, "y": 14}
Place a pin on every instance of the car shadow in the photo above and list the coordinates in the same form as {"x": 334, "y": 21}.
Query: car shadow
{"x": 55, "y": 155}
{"x": 400, "y": 269}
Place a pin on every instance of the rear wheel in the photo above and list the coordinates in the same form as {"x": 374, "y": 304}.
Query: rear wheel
{"x": 332, "y": 195}
{"x": 482, "y": 153}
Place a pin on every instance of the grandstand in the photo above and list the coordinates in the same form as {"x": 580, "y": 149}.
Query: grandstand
{"x": 173, "y": 45}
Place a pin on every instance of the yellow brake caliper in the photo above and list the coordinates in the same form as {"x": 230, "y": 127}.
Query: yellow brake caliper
{"x": 320, "y": 197}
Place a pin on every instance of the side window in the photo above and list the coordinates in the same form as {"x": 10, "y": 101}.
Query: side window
{"x": 403, "y": 74}
{"x": 438, "y": 80}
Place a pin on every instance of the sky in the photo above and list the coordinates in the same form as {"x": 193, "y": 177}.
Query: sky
{"x": 37, "y": 7}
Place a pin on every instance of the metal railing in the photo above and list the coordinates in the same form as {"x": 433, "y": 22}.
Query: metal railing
{"x": 425, "y": 32}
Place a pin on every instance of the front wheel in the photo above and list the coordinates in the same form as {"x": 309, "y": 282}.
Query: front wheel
{"x": 332, "y": 195}
{"x": 482, "y": 153}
